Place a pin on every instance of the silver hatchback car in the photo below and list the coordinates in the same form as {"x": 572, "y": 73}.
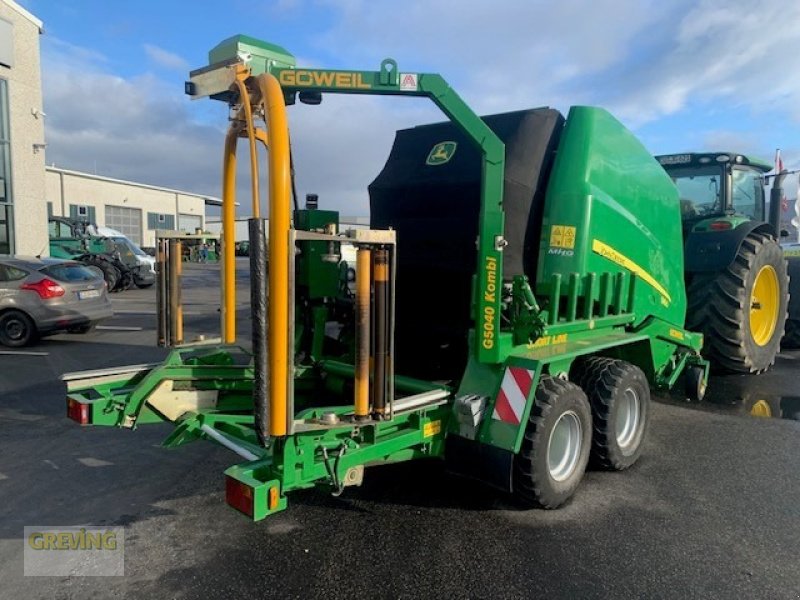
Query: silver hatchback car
{"x": 42, "y": 296}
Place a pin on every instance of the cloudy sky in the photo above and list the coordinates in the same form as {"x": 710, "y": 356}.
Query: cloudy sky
{"x": 684, "y": 75}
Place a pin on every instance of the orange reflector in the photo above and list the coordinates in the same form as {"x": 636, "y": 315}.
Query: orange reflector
{"x": 77, "y": 411}
{"x": 239, "y": 495}
{"x": 273, "y": 498}
{"x": 719, "y": 225}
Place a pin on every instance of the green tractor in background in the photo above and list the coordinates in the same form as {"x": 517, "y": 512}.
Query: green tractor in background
{"x": 736, "y": 273}
{"x": 114, "y": 258}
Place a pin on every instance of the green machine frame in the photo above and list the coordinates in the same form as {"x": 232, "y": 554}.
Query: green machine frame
{"x": 212, "y": 391}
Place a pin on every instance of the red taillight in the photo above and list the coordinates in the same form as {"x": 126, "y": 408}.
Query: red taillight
{"x": 46, "y": 288}
{"x": 239, "y": 495}
{"x": 720, "y": 225}
{"x": 78, "y": 411}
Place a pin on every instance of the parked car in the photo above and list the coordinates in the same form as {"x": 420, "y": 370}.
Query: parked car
{"x": 43, "y": 296}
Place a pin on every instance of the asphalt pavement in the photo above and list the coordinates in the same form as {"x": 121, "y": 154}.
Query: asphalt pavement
{"x": 712, "y": 509}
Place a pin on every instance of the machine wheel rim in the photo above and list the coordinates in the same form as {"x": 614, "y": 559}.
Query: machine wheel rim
{"x": 764, "y": 303}
{"x": 761, "y": 408}
{"x": 15, "y": 329}
{"x": 627, "y": 418}
{"x": 564, "y": 446}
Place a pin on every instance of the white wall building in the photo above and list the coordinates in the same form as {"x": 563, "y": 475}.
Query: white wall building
{"x": 136, "y": 209}
{"x": 30, "y": 193}
{"x": 23, "y": 213}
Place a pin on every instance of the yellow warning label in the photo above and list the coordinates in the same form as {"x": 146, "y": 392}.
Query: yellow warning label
{"x": 431, "y": 428}
{"x": 562, "y": 236}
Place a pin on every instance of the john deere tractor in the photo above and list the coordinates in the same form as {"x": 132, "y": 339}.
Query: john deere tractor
{"x": 736, "y": 273}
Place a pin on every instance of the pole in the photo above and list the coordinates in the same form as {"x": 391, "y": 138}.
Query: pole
{"x": 363, "y": 268}
{"x": 161, "y": 292}
{"x": 175, "y": 335}
{"x": 381, "y": 277}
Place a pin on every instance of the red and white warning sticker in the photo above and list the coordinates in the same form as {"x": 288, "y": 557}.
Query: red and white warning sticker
{"x": 408, "y": 82}
{"x": 513, "y": 395}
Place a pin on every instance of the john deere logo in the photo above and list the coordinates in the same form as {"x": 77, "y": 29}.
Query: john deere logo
{"x": 441, "y": 153}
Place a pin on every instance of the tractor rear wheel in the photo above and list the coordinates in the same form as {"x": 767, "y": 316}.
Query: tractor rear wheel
{"x": 619, "y": 395}
{"x": 555, "y": 449}
{"x": 741, "y": 310}
{"x": 110, "y": 273}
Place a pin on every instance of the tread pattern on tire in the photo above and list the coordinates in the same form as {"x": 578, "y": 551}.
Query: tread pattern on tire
{"x": 718, "y": 302}
{"x": 110, "y": 273}
{"x": 598, "y": 376}
{"x": 527, "y": 484}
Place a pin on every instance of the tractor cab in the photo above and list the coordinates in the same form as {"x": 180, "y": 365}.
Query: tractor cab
{"x": 718, "y": 190}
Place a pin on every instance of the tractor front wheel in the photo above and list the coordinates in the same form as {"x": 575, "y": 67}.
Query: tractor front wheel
{"x": 555, "y": 449}
{"x": 741, "y": 310}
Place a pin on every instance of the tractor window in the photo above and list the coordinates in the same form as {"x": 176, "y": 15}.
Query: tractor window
{"x": 699, "y": 189}
{"x": 59, "y": 230}
{"x": 748, "y": 193}
{"x": 125, "y": 250}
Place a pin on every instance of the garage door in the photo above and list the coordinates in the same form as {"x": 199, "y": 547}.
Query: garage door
{"x": 189, "y": 223}
{"x": 126, "y": 220}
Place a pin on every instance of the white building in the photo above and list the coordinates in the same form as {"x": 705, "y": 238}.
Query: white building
{"x": 30, "y": 193}
{"x": 23, "y": 213}
{"x": 136, "y": 209}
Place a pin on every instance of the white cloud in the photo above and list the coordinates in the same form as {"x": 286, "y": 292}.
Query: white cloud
{"x": 132, "y": 128}
{"x": 165, "y": 58}
{"x": 642, "y": 59}
{"x": 736, "y": 57}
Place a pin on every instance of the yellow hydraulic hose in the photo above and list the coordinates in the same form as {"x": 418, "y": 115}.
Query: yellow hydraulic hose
{"x": 244, "y": 97}
{"x": 228, "y": 236}
{"x": 279, "y": 201}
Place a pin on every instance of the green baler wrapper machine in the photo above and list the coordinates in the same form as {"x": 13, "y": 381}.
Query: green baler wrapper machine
{"x": 522, "y": 279}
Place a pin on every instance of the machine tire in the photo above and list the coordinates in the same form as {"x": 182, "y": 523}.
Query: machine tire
{"x": 110, "y": 273}
{"x": 721, "y": 306}
{"x": 537, "y": 481}
{"x": 791, "y": 341}
{"x": 619, "y": 395}
{"x": 143, "y": 286}
{"x": 16, "y": 329}
{"x": 694, "y": 384}
{"x": 125, "y": 281}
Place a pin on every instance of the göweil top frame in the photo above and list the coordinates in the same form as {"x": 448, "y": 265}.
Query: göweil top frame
{"x": 216, "y": 80}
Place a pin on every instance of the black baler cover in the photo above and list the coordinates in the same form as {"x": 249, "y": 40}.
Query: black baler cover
{"x": 435, "y": 208}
